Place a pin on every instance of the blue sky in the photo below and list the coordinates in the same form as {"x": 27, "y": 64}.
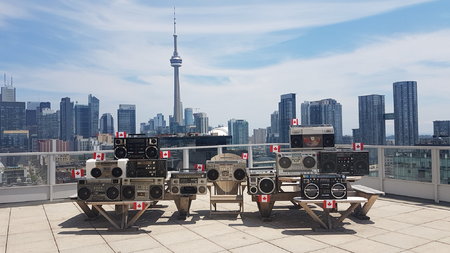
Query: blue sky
{"x": 238, "y": 56}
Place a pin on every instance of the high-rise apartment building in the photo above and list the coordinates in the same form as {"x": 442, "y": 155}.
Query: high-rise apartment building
{"x": 406, "y": 121}
{"x": 188, "y": 117}
{"x": 126, "y": 118}
{"x": 48, "y": 124}
{"x": 273, "y": 132}
{"x": 94, "y": 114}
{"x": 12, "y": 116}
{"x": 287, "y": 112}
{"x": 201, "y": 122}
{"x": 67, "y": 118}
{"x": 82, "y": 121}
{"x": 441, "y": 128}
{"x": 372, "y": 128}
{"x": 238, "y": 129}
{"x": 325, "y": 111}
{"x": 259, "y": 135}
{"x": 107, "y": 124}
{"x": 8, "y": 94}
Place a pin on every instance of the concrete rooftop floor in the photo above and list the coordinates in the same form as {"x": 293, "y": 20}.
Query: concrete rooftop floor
{"x": 396, "y": 226}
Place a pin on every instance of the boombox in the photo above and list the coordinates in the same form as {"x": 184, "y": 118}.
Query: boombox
{"x": 146, "y": 168}
{"x": 323, "y": 187}
{"x": 226, "y": 170}
{"x": 143, "y": 189}
{"x": 188, "y": 183}
{"x": 99, "y": 189}
{"x": 136, "y": 148}
{"x": 296, "y": 163}
{"x": 350, "y": 163}
{"x": 312, "y": 137}
{"x": 106, "y": 169}
{"x": 261, "y": 180}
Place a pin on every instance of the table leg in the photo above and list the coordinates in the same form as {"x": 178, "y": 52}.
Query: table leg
{"x": 124, "y": 223}
{"x": 344, "y": 215}
{"x": 265, "y": 208}
{"x": 88, "y": 211}
{"x": 106, "y": 215}
{"x": 313, "y": 215}
{"x": 137, "y": 216}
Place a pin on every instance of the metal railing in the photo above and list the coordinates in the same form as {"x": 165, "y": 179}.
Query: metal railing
{"x": 416, "y": 171}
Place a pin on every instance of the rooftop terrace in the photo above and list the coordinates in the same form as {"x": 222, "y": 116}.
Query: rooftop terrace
{"x": 396, "y": 225}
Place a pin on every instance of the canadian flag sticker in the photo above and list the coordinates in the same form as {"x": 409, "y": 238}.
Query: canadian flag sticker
{"x": 139, "y": 205}
{"x": 358, "y": 146}
{"x": 329, "y": 203}
{"x": 244, "y": 156}
{"x": 263, "y": 198}
{"x": 274, "y": 148}
{"x": 121, "y": 134}
{"x": 99, "y": 156}
{"x": 199, "y": 167}
{"x": 77, "y": 173}
{"x": 164, "y": 154}
{"x": 294, "y": 122}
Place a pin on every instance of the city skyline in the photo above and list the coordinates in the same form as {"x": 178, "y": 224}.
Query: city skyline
{"x": 119, "y": 52}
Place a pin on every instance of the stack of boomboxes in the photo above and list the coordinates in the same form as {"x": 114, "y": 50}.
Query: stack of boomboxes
{"x": 135, "y": 174}
{"x": 321, "y": 167}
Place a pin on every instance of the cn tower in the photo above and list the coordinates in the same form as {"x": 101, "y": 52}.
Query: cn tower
{"x": 175, "y": 62}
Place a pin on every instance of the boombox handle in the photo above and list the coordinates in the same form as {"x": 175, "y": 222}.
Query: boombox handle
{"x": 136, "y": 135}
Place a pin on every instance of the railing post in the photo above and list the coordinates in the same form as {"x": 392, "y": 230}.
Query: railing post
{"x": 250, "y": 156}
{"x": 185, "y": 158}
{"x": 435, "y": 172}
{"x": 52, "y": 170}
{"x": 219, "y": 150}
{"x": 381, "y": 164}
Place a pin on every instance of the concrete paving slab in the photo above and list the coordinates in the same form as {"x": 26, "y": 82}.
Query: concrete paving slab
{"x": 234, "y": 240}
{"x": 77, "y": 241}
{"x": 134, "y": 244}
{"x": 369, "y": 246}
{"x": 414, "y": 218}
{"x": 99, "y": 248}
{"x": 442, "y": 225}
{"x": 38, "y": 246}
{"x": 330, "y": 250}
{"x": 212, "y": 230}
{"x": 154, "y": 250}
{"x": 425, "y": 232}
{"x": 29, "y": 237}
{"x": 445, "y": 240}
{"x": 262, "y": 247}
{"x": 334, "y": 238}
{"x": 197, "y": 246}
{"x": 302, "y": 244}
{"x": 265, "y": 233}
{"x": 388, "y": 224}
{"x": 182, "y": 235}
{"x": 435, "y": 247}
{"x": 400, "y": 240}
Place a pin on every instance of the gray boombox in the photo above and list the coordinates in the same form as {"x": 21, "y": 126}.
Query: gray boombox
{"x": 143, "y": 189}
{"x": 188, "y": 183}
{"x": 295, "y": 164}
{"x": 226, "y": 170}
{"x": 98, "y": 189}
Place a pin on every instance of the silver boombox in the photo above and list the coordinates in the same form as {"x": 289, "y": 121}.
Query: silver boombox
{"x": 227, "y": 170}
{"x": 295, "y": 164}
{"x": 106, "y": 169}
{"x": 261, "y": 180}
{"x": 143, "y": 189}
{"x": 188, "y": 183}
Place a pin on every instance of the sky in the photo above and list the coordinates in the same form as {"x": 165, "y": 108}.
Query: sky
{"x": 238, "y": 56}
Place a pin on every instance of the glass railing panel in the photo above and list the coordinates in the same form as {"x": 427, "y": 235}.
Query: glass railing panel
{"x": 374, "y": 168}
{"x": 444, "y": 156}
{"x": 263, "y": 157}
{"x": 408, "y": 164}
{"x": 23, "y": 170}
{"x": 65, "y": 163}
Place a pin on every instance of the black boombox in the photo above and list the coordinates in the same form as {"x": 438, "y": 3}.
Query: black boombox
{"x": 142, "y": 189}
{"x": 188, "y": 183}
{"x": 323, "y": 187}
{"x": 99, "y": 189}
{"x": 350, "y": 163}
{"x": 261, "y": 180}
{"x": 146, "y": 168}
{"x": 136, "y": 148}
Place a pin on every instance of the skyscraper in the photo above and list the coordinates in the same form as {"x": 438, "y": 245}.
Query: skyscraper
{"x": 372, "y": 128}
{"x": 48, "y": 124}
{"x": 273, "y": 131}
{"x": 175, "y": 62}
{"x": 325, "y": 111}
{"x": 441, "y": 128}
{"x": 406, "y": 121}
{"x": 188, "y": 117}
{"x": 287, "y": 112}
{"x": 107, "y": 124}
{"x": 94, "y": 114}
{"x": 201, "y": 122}
{"x": 82, "y": 120}
{"x": 8, "y": 92}
{"x": 12, "y": 116}
{"x": 126, "y": 118}
{"x": 238, "y": 129}
{"x": 66, "y": 119}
